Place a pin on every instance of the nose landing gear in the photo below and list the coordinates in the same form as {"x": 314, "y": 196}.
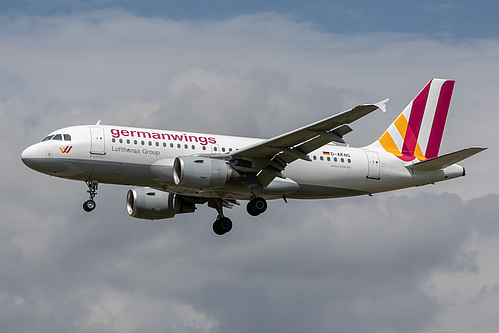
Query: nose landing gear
{"x": 93, "y": 185}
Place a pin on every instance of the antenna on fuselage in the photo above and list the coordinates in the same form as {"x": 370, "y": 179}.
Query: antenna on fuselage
{"x": 98, "y": 123}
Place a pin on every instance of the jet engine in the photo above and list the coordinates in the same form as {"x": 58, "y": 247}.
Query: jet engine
{"x": 151, "y": 204}
{"x": 202, "y": 172}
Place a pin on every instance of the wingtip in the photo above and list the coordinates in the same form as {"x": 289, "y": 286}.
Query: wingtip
{"x": 478, "y": 149}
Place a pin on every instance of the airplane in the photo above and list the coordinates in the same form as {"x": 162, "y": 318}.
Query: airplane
{"x": 175, "y": 171}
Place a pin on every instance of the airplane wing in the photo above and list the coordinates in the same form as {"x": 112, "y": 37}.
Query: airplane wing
{"x": 271, "y": 156}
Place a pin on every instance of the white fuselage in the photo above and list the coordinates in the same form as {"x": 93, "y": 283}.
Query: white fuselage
{"x": 144, "y": 157}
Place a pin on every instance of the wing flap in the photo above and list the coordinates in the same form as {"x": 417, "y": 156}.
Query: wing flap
{"x": 444, "y": 161}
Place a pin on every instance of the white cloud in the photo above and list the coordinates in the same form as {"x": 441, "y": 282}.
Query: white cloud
{"x": 114, "y": 311}
{"x": 388, "y": 263}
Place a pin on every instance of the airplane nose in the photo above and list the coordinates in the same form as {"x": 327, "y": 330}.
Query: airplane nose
{"x": 29, "y": 156}
{"x": 39, "y": 157}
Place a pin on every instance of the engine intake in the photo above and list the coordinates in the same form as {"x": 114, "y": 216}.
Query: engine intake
{"x": 202, "y": 172}
{"x": 151, "y": 204}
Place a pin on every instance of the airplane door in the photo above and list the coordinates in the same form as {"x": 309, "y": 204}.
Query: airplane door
{"x": 97, "y": 141}
{"x": 373, "y": 165}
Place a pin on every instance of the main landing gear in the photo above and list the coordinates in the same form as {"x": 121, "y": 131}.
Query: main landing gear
{"x": 89, "y": 205}
{"x": 256, "y": 206}
{"x": 223, "y": 224}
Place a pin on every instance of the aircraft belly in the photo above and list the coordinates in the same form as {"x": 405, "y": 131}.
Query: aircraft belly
{"x": 59, "y": 167}
{"x": 104, "y": 171}
{"x": 324, "y": 192}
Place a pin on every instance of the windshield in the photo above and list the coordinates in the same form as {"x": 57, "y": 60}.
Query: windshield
{"x": 48, "y": 138}
{"x": 58, "y": 137}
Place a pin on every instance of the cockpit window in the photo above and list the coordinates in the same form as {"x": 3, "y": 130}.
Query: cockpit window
{"x": 48, "y": 138}
{"x": 58, "y": 137}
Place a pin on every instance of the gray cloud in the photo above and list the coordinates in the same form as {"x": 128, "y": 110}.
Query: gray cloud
{"x": 408, "y": 261}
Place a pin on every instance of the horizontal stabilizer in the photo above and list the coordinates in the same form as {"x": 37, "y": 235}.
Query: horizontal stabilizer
{"x": 446, "y": 160}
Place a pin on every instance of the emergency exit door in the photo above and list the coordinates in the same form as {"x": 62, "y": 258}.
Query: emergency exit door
{"x": 373, "y": 165}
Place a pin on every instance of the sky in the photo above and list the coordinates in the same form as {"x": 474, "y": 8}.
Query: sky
{"x": 414, "y": 260}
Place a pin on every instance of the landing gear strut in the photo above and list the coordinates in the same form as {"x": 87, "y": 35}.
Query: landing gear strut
{"x": 223, "y": 224}
{"x": 92, "y": 184}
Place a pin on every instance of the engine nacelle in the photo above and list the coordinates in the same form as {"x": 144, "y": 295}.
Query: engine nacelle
{"x": 202, "y": 172}
{"x": 151, "y": 204}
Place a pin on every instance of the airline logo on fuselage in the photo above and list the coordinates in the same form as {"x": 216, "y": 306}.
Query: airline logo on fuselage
{"x": 65, "y": 150}
{"x": 118, "y": 133}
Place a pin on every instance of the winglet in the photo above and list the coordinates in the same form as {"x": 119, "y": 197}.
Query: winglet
{"x": 382, "y": 104}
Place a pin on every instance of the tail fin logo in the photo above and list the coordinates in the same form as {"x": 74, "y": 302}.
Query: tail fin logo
{"x": 65, "y": 150}
{"x": 418, "y": 130}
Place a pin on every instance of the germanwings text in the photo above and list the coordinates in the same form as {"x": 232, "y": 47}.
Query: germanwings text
{"x": 117, "y": 133}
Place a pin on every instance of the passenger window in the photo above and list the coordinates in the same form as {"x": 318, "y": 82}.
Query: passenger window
{"x": 193, "y": 147}
{"x": 342, "y": 160}
{"x": 336, "y": 159}
{"x": 114, "y": 140}
{"x": 142, "y": 143}
{"x": 215, "y": 148}
{"x": 134, "y": 142}
{"x": 315, "y": 158}
{"x": 186, "y": 146}
{"x": 328, "y": 158}
{"x": 322, "y": 158}
{"x": 164, "y": 144}
{"x": 157, "y": 144}
{"x": 179, "y": 145}
{"x": 204, "y": 147}
{"x": 223, "y": 149}
{"x": 48, "y": 138}
{"x": 349, "y": 161}
{"x": 67, "y": 137}
{"x": 150, "y": 143}
{"x": 57, "y": 137}
{"x": 121, "y": 140}
{"x": 128, "y": 141}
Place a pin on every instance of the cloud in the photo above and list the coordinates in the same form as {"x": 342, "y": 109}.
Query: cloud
{"x": 405, "y": 261}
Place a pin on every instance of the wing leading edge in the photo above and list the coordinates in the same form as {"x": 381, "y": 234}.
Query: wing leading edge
{"x": 269, "y": 157}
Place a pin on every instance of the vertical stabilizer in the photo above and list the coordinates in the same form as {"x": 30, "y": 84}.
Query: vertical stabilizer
{"x": 418, "y": 130}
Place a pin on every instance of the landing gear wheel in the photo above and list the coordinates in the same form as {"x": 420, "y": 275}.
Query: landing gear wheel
{"x": 222, "y": 225}
{"x": 89, "y": 205}
{"x": 256, "y": 206}
{"x": 93, "y": 185}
